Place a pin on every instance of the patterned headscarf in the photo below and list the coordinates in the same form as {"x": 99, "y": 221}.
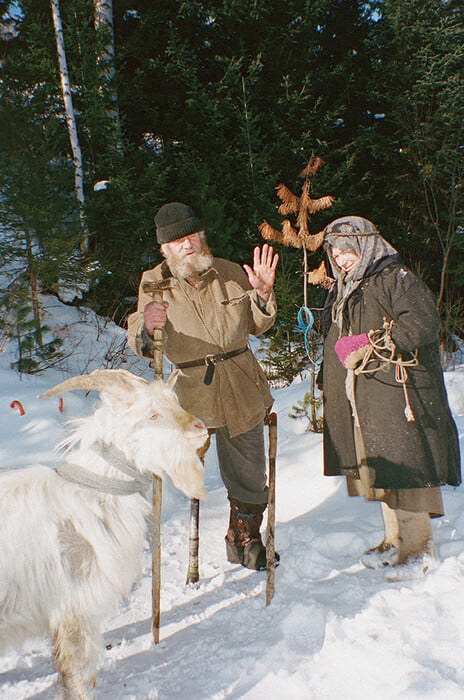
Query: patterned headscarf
{"x": 359, "y": 236}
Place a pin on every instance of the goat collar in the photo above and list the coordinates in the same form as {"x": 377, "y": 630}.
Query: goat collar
{"x": 139, "y": 483}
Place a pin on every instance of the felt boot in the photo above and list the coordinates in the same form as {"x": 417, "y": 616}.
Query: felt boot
{"x": 415, "y": 552}
{"x": 243, "y": 540}
{"x": 408, "y": 538}
{"x": 383, "y": 554}
{"x": 387, "y": 552}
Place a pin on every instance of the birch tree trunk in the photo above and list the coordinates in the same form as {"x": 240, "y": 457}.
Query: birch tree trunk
{"x": 105, "y": 62}
{"x": 70, "y": 121}
{"x": 33, "y": 285}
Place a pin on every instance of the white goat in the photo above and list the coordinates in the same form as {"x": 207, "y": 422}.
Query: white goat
{"x": 69, "y": 552}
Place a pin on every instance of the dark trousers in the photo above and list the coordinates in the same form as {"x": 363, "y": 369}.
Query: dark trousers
{"x": 242, "y": 462}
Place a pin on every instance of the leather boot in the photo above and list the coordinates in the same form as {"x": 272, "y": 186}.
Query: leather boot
{"x": 243, "y": 540}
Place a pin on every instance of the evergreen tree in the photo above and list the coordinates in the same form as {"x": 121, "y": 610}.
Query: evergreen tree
{"x": 39, "y": 217}
{"x": 422, "y": 81}
{"x": 230, "y": 91}
{"x": 219, "y": 101}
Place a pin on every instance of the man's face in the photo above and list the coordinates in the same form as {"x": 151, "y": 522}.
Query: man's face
{"x": 184, "y": 247}
{"x": 188, "y": 256}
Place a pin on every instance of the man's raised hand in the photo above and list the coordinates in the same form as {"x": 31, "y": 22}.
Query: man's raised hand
{"x": 262, "y": 275}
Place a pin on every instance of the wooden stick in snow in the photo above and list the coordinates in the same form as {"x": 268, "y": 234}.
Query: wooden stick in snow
{"x": 157, "y": 295}
{"x": 193, "y": 571}
{"x": 270, "y": 545}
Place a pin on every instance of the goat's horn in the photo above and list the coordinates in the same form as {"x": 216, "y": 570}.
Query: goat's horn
{"x": 117, "y": 382}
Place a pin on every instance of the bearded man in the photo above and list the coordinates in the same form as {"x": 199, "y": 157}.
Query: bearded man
{"x": 210, "y": 307}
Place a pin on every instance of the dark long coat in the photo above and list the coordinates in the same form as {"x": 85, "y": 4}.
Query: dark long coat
{"x": 403, "y": 454}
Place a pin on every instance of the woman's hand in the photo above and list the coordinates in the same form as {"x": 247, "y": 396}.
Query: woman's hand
{"x": 351, "y": 349}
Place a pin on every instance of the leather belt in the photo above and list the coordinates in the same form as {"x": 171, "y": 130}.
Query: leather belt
{"x": 211, "y": 361}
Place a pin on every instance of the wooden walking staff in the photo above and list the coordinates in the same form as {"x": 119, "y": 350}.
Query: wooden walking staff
{"x": 155, "y": 289}
{"x": 157, "y": 295}
{"x": 193, "y": 571}
{"x": 270, "y": 544}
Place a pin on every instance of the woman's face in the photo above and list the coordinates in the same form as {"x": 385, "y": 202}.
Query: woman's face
{"x": 345, "y": 259}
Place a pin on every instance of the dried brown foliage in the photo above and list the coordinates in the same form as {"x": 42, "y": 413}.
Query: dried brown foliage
{"x": 290, "y": 236}
{"x": 319, "y": 276}
{"x": 289, "y": 200}
{"x": 321, "y": 204}
{"x": 298, "y": 235}
{"x": 313, "y": 241}
{"x": 312, "y": 167}
{"x": 269, "y": 233}
{"x": 302, "y": 208}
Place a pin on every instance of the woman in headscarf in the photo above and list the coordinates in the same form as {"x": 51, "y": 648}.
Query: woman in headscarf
{"x": 387, "y": 423}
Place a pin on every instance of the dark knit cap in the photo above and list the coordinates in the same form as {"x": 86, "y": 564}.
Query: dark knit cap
{"x": 175, "y": 220}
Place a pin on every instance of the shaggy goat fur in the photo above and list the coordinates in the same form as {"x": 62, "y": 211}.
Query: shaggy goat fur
{"x": 69, "y": 553}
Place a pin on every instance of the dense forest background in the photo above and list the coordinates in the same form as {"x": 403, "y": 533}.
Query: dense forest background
{"x": 215, "y": 104}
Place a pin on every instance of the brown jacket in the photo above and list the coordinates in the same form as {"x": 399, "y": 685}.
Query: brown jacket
{"x": 215, "y": 317}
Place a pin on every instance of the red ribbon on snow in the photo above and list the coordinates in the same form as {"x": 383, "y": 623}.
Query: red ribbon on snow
{"x": 19, "y": 406}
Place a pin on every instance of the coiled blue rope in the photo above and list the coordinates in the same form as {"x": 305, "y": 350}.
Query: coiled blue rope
{"x": 305, "y": 323}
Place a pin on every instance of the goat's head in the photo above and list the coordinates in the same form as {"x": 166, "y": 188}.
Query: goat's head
{"x": 146, "y": 421}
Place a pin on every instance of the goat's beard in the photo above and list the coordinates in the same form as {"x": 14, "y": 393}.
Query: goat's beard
{"x": 192, "y": 265}
{"x": 176, "y": 456}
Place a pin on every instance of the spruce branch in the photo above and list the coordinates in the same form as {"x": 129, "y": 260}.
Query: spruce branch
{"x": 290, "y": 201}
{"x": 312, "y": 166}
{"x": 290, "y": 236}
{"x": 269, "y": 233}
{"x": 313, "y": 241}
{"x": 321, "y": 204}
{"x": 319, "y": 276}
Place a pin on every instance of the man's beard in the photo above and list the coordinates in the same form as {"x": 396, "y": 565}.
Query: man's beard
{"x": 190, "y": 265}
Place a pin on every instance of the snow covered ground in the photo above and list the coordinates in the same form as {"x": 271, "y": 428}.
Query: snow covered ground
{"x": 333, "y": 630}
